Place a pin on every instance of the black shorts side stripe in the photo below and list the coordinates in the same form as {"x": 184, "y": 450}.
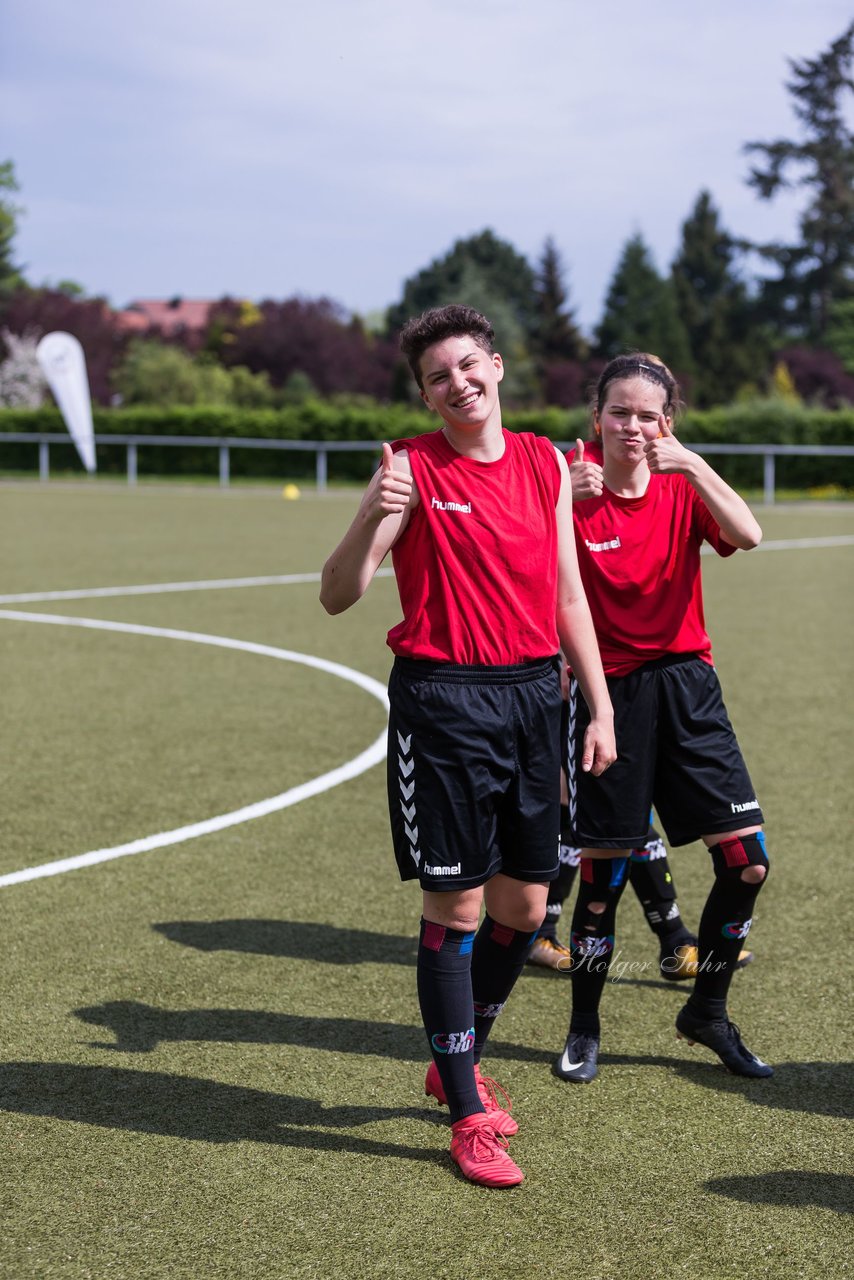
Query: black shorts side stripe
{"x": 474, "y": 772}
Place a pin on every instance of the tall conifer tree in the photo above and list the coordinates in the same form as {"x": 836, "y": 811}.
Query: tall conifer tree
{"x": 728, "y": 348}
{"x": 820, "y": 268}
{"x": 557, "y": 337}
{"x": 640, "y": 312}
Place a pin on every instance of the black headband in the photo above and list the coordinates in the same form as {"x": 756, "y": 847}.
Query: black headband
{"x": 639, "y": 366}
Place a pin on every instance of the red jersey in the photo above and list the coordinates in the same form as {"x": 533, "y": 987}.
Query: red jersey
{"x": 476, "y": 565}
{"x": 640, "y": 565}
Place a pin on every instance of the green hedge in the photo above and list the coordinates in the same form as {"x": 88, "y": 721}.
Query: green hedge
{"x": 313, "y": 420}
{"x": 775, "y": 422}
{"x": 758, "y": 422}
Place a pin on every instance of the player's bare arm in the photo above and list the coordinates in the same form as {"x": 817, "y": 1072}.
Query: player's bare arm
{"x": 578, "y": 639}
{"x": 382, "y": 517}
{"x": 667, "y": 456}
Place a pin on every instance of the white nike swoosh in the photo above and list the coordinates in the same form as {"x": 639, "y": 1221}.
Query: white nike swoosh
{"x": 566, "y": 1065}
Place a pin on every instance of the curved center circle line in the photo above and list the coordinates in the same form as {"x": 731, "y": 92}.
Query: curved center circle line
{"x": 343, "y": 773}
{"x": 295, "y": 579}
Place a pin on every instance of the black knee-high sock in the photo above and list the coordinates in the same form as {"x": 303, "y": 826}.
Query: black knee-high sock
{"x": 498, "y": 958}
{"x": 724, "y": 925}
{"x": 592, "y": 939}
{"x": 444, "y": 994}
{"x": 559, "y": 891}
{"x": 652, "y": 880}
{"x": 561, "y": 887}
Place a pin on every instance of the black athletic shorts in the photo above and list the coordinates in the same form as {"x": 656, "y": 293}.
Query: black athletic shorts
{"x": 474, "y": 757}
{"x": 676, "y": 749}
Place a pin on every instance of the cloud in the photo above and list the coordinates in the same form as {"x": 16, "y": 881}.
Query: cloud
{"x": 337, "y": 147}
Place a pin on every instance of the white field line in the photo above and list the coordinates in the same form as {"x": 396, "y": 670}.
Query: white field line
{"x": 366, "y": 760}
{"x": 788, "y": 544}
{"x": 161, "y": 588}
{"x": 289, "y": 579}
{"x": 359, "y": 764}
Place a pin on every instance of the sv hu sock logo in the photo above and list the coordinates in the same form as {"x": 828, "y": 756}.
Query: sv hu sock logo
{"x": 453, "y": 1041}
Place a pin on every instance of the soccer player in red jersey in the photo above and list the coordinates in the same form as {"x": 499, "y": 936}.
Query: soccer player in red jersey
{"x": 649, "y": 872}
{"x": 639, "y": 544}
{"x": 479, "y": 524}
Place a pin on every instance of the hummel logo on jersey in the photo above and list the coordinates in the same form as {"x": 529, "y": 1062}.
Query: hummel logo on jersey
{"x": 613, "y": 545}
{"x": 443, "y": 871}
{"x": 464, "y": 508}
{"x": 742, "y": 808}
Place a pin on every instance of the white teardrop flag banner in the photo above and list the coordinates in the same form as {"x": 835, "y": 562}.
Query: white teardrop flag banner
{"x": 64, "y": 365}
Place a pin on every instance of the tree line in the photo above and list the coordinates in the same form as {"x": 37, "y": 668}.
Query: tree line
{"x": 727, "y": 332}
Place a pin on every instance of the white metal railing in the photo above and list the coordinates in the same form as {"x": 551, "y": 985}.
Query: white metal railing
{"x": 322, "y": 448}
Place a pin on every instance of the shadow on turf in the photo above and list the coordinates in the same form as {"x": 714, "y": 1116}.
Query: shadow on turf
{"x": 820, "y": 1088}
{"x": 140, "y": 1028}
{"x": 792, "y": 1188}
{"x": 298, "y": 939}
{"x": 816, "y": 1088}
{"x": 329, "y": 944}
{"x": 197, "y": 1110}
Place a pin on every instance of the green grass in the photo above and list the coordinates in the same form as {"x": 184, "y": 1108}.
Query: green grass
{"x": 212, "y": 1060}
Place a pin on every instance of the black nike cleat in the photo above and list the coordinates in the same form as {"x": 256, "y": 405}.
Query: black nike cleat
{"x": 578, "y": 1062}
{"x": 724, "y": 1039}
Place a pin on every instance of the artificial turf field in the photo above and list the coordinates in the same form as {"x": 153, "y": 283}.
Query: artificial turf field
{"x": 212, "y": 1060}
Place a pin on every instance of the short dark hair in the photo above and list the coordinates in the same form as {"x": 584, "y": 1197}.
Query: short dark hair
{"x": 439, "y": 323}
{"x": 639, "y": 364}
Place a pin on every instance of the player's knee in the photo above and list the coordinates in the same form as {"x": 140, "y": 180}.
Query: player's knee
{"x": 522, "y": 919}
{"x": 602, "y": 882}
{"x": 743, "y": 858}
{"x": 463, "y": 923}
{"x": 449, "y": 915}
{"x": 590, "y": 915}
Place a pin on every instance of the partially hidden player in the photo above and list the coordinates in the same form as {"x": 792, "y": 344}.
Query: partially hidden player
{"x": 649, "y": 873}
{"x": 479, "y": 524}
{"x": 639, "y": 554}
{"x": 650, "y": 876}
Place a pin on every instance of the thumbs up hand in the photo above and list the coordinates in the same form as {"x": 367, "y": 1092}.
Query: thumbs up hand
{"x": 586, "y": 477}
{"x": 665, "y": 455}
{"x": 390, "y": 490}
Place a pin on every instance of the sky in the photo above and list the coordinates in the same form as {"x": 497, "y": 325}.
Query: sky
{"x": 333, "y": 148}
